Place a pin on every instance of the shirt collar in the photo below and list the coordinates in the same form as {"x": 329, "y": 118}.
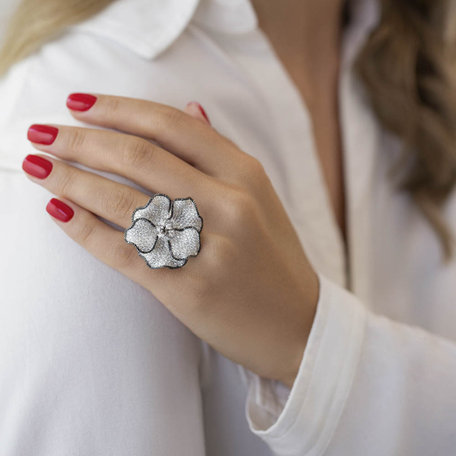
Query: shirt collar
{"x": 226, "y": 16}
{"x": 148, "y": 27}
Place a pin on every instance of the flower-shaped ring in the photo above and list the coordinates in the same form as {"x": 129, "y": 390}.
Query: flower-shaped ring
{"x": 165, "y": 232}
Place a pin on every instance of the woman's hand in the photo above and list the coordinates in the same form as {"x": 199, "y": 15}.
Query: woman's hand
{"x": 250, "y": 292}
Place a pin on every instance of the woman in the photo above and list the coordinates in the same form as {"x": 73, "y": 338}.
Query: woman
{"x": 313, "y": 279}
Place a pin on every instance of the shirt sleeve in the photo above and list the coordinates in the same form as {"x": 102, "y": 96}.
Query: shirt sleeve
{"x": 365, "y": 385}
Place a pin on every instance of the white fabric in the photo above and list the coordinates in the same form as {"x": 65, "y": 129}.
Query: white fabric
{"x": 92, "y": 364}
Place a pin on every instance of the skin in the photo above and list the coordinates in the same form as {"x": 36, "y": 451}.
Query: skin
{"x": 252, "y": 300}
{"x": 306, "y": 36}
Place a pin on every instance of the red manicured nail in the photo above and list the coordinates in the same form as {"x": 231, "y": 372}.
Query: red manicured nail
{"x": 80, "y": 101}
{"x": 37, "y": 166}
{"x": 42, "y": 134}
{"x": 59, "y": 210}
{"x": 203, "y": 112}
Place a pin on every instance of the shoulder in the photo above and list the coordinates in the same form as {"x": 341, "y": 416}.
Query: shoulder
{"x": 119, "y": 51}
{"x": 146, "y": 27}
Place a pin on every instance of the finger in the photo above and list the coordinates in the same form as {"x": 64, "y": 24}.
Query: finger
{"x": 175, "y": 130}
{"x": 194, "y": 109}
{"x": 130, "y": 156}
{"x": 108, "y": 245}
{"x": 104, "y": 197}
{"x": 111, "y": 200}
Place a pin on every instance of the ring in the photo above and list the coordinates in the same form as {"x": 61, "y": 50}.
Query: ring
{"x": 166, "y": 232}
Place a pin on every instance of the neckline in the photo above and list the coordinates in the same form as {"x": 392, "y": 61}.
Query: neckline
{"x": 320, "y": 218}
{"x": 307, "y": 198}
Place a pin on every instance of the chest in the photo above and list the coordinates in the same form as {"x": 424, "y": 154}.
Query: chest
{"x": 323, "y": 111}
{"x": 328, "y": 148}
{"x": 317, "y": 84}
{"x": 307, "y": 152}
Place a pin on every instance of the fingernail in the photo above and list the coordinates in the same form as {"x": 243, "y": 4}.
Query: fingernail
{"x": 80, "y": 101}
{"x": 42, "y": 134}
{"x": 37, "y": 166}
{"x": 203, "y": 112}
{"x": 59, "y": 210}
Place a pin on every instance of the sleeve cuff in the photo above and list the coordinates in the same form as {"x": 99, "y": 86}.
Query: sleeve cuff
{"x": 302, "y": 419}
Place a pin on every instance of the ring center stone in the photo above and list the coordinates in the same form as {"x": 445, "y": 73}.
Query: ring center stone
{"x": 166, "y": 230}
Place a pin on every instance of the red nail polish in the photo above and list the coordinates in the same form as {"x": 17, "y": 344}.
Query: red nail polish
{"x": 37, "y": 166}
{"x": 42, "y": 134}
{"x": 59, "y": 210}
{"x": 203, "y": 112}
{"x": 80, "y": 101}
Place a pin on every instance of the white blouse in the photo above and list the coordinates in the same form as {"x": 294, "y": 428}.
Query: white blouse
{"x": 93, "y": 364}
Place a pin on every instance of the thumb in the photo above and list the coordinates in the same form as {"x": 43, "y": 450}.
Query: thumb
{"x": 196, "y": 110}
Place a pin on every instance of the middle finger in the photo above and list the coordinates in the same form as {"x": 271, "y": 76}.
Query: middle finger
{"x": 130, "y": 156}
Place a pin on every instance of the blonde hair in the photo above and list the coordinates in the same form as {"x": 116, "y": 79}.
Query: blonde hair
{"x": 37, "y": 21}
{"x": 406, "y": 65}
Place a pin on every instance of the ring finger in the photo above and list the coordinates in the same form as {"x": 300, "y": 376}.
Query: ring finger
{"x": 102, "y": 196}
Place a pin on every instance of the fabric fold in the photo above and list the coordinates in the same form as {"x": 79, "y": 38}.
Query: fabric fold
{"x": 302, "y": 420}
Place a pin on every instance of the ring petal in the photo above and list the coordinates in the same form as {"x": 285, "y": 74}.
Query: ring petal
{"x": 142, "y": 234}
{"x": 157, "y": 210}
{"x": 185, "y": 214}
{"x": 161, "y": 256}
{"x": 185, "y": 243}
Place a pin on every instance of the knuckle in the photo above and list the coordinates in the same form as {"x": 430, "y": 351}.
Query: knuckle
{"x": 85, "y": 233}
{"x": 254, "y": 167}
{"x": 64, "y": 181}
{"x": 251, "y": 172}
{"x": 119, "y": 203}
{"x": 111, "y": 106}
{"x": 137, "y": 153}
{"x": 240, "y": 206}
{"x": 75, "y": 139}
{"x": 171, "y": 117}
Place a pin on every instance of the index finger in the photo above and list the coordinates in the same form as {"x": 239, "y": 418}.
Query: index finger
{"x": 178, "y": 132}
